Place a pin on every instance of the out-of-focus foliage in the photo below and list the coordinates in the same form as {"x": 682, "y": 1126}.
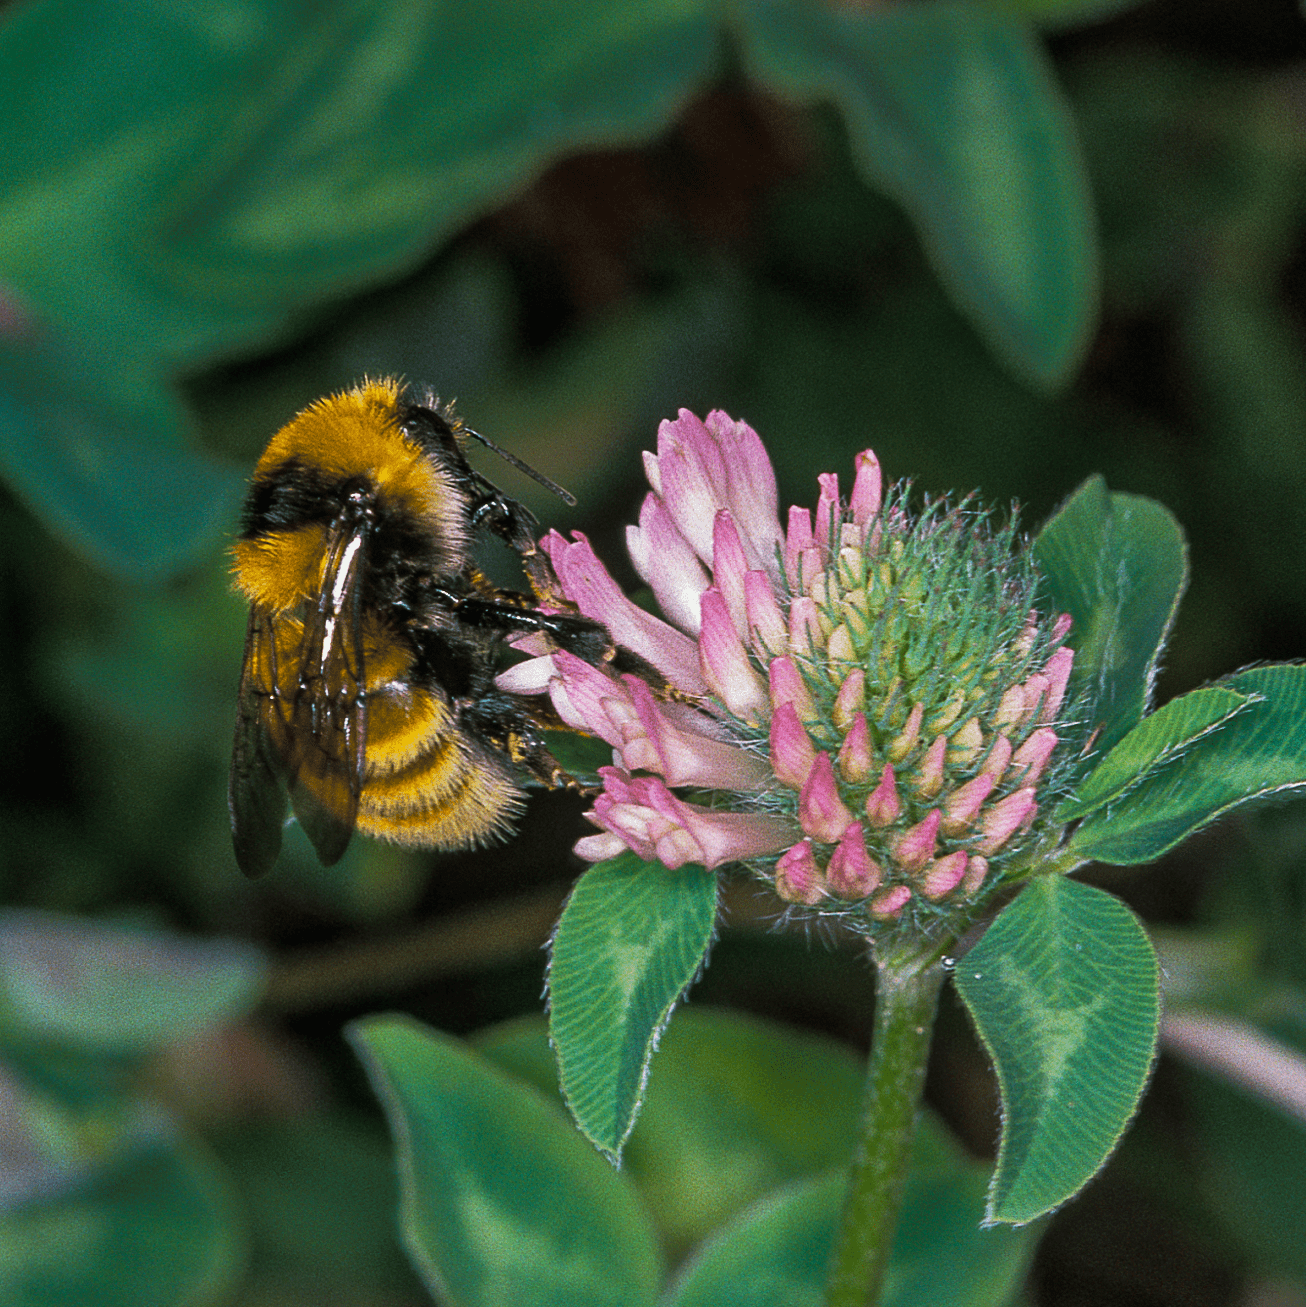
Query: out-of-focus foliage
{"x": 577, "y": 219}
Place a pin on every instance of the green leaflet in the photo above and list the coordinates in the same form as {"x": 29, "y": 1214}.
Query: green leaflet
{"x": 1064, "y": 990}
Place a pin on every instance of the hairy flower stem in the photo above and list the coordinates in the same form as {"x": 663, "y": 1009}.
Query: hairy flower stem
{"x": 907, "y": 997}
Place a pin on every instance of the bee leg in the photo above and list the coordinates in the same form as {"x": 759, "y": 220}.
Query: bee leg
{"x": 501, "y": 722}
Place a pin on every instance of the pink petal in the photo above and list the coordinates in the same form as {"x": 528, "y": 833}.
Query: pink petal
{"x": 1061, "y": 628}
{"x": 821, "y": 812}
{"x": 585, "y": 581}
{"x": 588, "y": 699}
{"x": 531, "y": 676}
{"x": 729, "y": 566}
{"x": 724, "y": 663}
{"x": 666, "y": 560}
{"x": 684, "y": 757}
{"x": 660, "y": 827}
{"x": 752, "y": 497}
{"x": 694, "y": 479}
{"x": 766, "y": 624}
{"x": 865, "y": 502}
{"x": 792, "y": 753}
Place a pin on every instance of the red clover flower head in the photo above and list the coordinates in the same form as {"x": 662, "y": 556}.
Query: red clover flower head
{"x": 864, "y": 704}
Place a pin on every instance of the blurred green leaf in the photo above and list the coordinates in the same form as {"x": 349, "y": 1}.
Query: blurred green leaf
{"x": 1058, "y": 14}
{"x": 777, "y": 1253}
{"x": 109, "y": 989}
{"x": 730, "y": 1112}
{"x": 211, "y": 171}
{"x": 319, "y": 1194}
{"x": 502, "y": 1203}
{"x": 157, "y": 1231}
{"x": 1118, "y": 565}
{"x": 1261, "y": 753}
{"x": 1158, "y": 739}
{"x": 631, "y": 938}
{"x": 1251, "y": 1162}
{"x": 1064, "y": 991}
{"x": 51, "y": 1141}
{"x": 955, "y": 112}
{"x": 94, "y": 445}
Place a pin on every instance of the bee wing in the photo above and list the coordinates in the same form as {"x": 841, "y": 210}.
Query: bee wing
{"x": 325, "y": 715}
{"x": 256, "y": 789}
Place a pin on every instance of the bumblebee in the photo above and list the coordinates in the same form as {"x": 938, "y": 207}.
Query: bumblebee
{"x": 367, "y": 696}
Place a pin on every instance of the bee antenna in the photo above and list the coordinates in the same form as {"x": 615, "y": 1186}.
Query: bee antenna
{"x": 565, "y": 495}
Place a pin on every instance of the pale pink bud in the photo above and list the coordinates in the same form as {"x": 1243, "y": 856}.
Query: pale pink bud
{"x": 963, "y": 804}
{"x": 966, "y": 743}
{"x": 943, "y": 876}
{"x": 882, "y": 804}
{"x": 856, "y": 761}
{"x": 821, "y": 812}
{"x": 1028, "y": 762}
{"x": 805, "y": 632}
{"x": 1011, "y": 708}
{"x": 929, "y": 777}
{"x": 888, "y": 903}
{"x": 852, "y": 873}
{"x": 798, "y": 538}
{"x": 999, "y": 756}
{"x": 724, "y": 663}
{"x": 1036, "y": 688}
{"x": 766, "y": 623}
{"x": 865, "y": 503}
{"x": 905, "y": 741}
{"x": 827, "y": 511}
{"x": 976, "y": 870}
{"x": 850, "y": 700}
{"x": 1004, "y": 818}
{"x": 1058, "y": 672}
{"x": 839, "y": 648}
{"x": 915, "y": 847}
{"x": 792, "y": 753}
{"x": 600, "y": 847}
{"x": 797, "y": 877}
{"x": 788, "y": 686}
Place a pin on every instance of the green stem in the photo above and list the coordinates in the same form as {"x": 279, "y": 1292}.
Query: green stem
{"x": 907, "y": 996}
